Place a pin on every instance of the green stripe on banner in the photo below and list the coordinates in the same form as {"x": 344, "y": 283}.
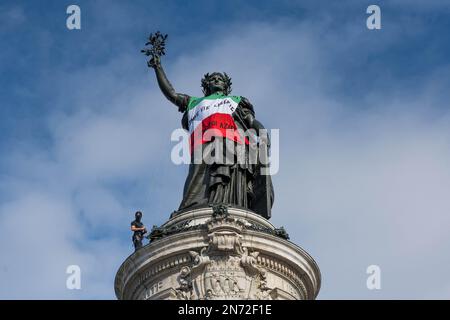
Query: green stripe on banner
{"x": 194, "y": 101}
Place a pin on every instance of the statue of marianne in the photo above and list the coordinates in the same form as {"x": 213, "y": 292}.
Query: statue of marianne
{"x": 238, "y": 183}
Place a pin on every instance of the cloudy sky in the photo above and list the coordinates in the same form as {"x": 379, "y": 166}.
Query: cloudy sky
{"x": 363, "y": 115}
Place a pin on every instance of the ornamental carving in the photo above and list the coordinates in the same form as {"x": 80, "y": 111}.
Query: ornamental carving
{"x": 224, "y": 269}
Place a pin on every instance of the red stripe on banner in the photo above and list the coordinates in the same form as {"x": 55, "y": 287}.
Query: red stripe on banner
{"x": 216, "y": 124}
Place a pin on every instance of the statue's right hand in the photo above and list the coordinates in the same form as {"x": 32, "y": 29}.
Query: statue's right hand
{"x": 154, "y": 62}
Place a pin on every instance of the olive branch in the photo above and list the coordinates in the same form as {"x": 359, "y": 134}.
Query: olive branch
{"x": 157, "y": 49}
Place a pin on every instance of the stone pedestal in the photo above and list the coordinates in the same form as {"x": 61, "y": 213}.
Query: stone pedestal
{"x": 218, "y": 253}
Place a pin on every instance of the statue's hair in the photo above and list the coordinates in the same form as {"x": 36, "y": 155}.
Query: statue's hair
{"x": 225, "y": 79}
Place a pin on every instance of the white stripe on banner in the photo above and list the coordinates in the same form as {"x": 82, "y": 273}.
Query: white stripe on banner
{"x": 207, "y": 108}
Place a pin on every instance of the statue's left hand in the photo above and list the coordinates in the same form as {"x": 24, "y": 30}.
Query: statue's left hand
{"x": 264, "y": 139}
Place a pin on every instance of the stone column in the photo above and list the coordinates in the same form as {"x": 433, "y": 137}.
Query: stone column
{"x": 218, "y": 253}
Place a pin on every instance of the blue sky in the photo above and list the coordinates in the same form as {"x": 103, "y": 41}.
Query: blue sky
{"x": 364, "y": 134}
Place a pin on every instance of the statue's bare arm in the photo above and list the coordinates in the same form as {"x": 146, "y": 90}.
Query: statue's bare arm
{"x": 179, "y": 99}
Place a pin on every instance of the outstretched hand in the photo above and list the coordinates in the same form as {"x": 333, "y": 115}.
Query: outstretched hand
{"x": 154, "y": 62}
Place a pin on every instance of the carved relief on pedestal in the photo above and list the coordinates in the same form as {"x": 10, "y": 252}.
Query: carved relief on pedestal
{"x": 224, "y": 269}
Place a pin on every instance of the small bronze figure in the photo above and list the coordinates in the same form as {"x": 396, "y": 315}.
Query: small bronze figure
{"x": 139, "y": 230}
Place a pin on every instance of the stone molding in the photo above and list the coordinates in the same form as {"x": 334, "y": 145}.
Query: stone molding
{"x": 219, "y": 257}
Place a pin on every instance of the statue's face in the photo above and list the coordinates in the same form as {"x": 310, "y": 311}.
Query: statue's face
{"x": 216, "y": 83}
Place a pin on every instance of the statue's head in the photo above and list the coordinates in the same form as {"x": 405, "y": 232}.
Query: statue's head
{"x": 138, "y": 216}
{"x": 216, "y": 82}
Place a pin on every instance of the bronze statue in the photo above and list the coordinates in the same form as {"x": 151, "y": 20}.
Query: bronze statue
{"x": 235, "y": 183}
{"x": 138, "y": 229}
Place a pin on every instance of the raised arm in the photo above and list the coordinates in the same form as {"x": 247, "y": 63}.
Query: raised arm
{"x": 179, "y": 99}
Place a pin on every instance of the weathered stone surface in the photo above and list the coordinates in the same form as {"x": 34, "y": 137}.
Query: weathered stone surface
{"x": 225, "y": 254}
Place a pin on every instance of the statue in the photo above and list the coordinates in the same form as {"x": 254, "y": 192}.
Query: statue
{"x": 138, "y": 229}
{"x": 235, "y": 183}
